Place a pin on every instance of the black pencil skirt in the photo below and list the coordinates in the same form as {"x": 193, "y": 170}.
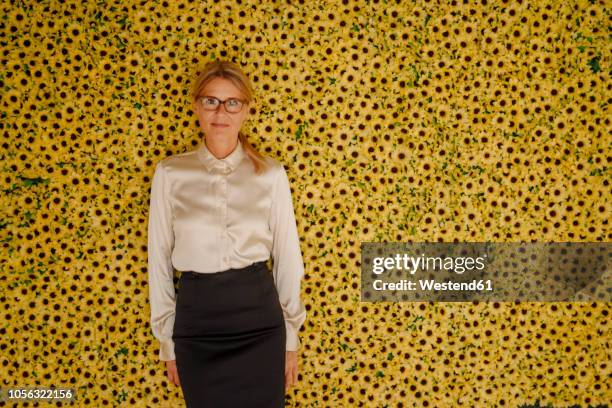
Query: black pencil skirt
{"x": 229, "y": 339}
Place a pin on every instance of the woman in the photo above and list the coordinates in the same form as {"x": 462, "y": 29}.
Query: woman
{"x": 230, "y": 335}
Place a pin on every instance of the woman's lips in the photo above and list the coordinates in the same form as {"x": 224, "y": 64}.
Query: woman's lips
{"x": 219, "y": 125}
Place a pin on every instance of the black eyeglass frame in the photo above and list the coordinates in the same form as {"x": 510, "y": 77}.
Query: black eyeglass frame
{"x": 202, "y": 97}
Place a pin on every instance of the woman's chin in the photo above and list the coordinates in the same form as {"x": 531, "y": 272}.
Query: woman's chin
{"x": 218, "y": 130}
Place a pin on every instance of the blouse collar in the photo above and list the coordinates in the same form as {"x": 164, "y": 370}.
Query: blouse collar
{"x": 226, "y": 165}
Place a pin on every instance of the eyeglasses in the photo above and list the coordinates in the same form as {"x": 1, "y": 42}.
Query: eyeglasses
{"x": 232, "y": 105}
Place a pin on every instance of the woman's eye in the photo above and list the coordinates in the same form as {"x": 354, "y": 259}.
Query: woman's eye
{"x": 233, "y": 102}
{"x": 209, "y": 101}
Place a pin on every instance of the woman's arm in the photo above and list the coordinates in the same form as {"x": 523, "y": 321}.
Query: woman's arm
{"x": 288, "y": 266}
{"x": 162, "y": 296}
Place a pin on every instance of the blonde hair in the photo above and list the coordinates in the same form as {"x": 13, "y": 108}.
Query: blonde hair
{"x": 232, "y": 72}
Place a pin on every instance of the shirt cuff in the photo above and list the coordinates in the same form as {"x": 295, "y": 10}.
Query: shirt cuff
{"x": 292, "y": 339}
{"x": 166, "y": 350}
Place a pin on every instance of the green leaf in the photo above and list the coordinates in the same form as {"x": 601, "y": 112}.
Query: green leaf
{"x": 29, "y": 182}
{"x": 122, "y": 350}
{"x": 594, "y": 64}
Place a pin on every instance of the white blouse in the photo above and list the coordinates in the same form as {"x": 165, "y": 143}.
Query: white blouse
{"x": 207, "y": 215}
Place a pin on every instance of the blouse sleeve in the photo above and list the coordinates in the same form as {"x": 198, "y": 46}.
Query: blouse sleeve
{"x": 288, "y": 266}
{"x": 162, "y": 296}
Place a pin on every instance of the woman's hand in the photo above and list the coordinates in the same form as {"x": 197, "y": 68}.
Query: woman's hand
{"x": 291, "y": 369}
{"x": 173, "y": 372}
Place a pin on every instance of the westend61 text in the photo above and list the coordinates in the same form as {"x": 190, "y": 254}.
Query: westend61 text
{"x": 430, "y": 284}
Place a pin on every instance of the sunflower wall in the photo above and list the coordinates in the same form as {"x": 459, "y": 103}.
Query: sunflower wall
{"x": 458, "y": 121}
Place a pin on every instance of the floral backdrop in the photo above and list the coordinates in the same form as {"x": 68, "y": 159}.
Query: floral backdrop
{"x": 396, "y": 121}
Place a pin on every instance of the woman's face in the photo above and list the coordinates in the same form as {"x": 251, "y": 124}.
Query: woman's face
{"x": 220, "y": 123}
